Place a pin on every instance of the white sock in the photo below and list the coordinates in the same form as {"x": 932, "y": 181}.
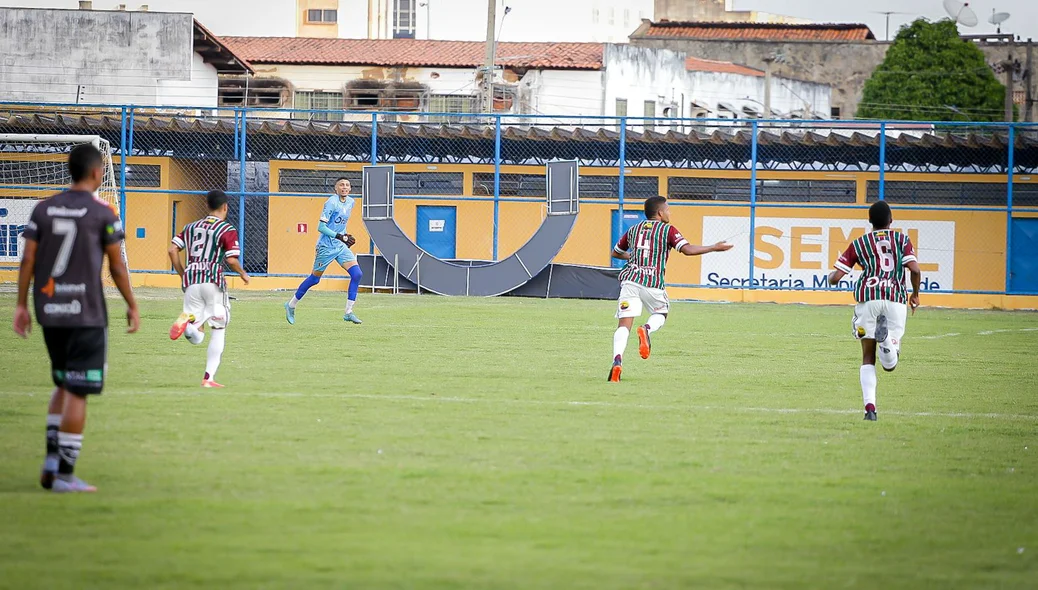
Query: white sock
{"x": 887, "y": 355}
{"x": 868, "y": 384}
{"x": 212, "y": 356}
{"x": 655, "y": 322}
{"x": 620, "y": 341}
{"x": 193, "y": 334}
{"x": 349, "y": 306}
{"x": 293, "y": 302}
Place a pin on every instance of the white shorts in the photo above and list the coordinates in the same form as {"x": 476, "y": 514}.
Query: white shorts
{"x": 865, "y": 315}
{"x": 633, "y": 296}
{"x": 208, "y": 303}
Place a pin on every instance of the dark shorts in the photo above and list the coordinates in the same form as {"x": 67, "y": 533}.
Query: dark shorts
{"x": 78, "y": 358}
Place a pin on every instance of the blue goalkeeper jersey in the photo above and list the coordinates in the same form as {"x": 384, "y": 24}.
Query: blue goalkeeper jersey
{"x": 335, "y": 215}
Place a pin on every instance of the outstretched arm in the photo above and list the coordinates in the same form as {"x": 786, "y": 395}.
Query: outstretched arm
{"x": 691, "y": 250}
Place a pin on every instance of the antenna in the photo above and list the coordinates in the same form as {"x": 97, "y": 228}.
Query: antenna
{"x": 961, "y": 13}
{"x": 887, "y": 14}
{"x": 997, "y": 18}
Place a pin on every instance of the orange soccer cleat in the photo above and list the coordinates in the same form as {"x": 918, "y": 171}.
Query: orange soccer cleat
{"x": 210, "y": 384}
{"x": 178, "y": 327}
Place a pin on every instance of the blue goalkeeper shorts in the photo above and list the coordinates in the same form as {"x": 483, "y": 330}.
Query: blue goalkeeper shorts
{"x": 326, "y": 256}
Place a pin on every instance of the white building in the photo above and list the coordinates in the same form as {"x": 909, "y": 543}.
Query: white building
{"x": 557, "y": 79}
{"x": 111, "y": 57}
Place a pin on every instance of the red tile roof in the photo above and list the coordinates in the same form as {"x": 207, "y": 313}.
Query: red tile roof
{"x": 695, "y": 64}
{"x": 414, "y": 52}
{"x": 756, "y": 31}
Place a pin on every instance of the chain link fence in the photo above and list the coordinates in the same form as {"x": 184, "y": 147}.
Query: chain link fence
{"x": 790, "y": 195}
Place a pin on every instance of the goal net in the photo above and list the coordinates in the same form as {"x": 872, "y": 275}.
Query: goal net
{"x": 33, "y": 167}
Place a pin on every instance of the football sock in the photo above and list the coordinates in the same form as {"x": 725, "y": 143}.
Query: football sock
{"x": 193, "y": 334}
{"x": 53, "y": 423}
{"x": 620, "y": 341}
{"x": 887, "y": 355}
{"x": 212, "y": 362}
{"x": 655, "y": 322}
{"x": 308, "y": 282}
{"x": 868, "y": 384}
{"x": 68, "y": 451}
{"x": 355, "y": 276}
{"x": 349, "y": 305}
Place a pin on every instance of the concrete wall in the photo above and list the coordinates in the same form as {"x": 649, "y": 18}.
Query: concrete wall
{"x": 116, "y": 57}
{"x": 847, "y": 66}
{"x": 200, "y": 91}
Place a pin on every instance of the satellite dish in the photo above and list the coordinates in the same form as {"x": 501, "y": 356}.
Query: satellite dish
{"x": 997, "y": 18}
{"x": 961, "y": 13}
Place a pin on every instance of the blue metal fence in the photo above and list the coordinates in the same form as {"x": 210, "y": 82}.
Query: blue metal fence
{"x": 762, "y": 166}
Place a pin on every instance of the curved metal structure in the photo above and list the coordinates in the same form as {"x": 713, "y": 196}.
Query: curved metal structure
{"x": 486, "y": 280}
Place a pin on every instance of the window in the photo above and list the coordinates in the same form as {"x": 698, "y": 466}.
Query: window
{"x": 608, "y": 187}
{"x": 595, "y": 15}
{"x": 322, "y": 16}
{"x": 318, "y": 100}
{"x": 834, "y": 112}
{"x": 314, "y": 181}
{"x": 621, "y": 107}
{"x": 404, "y": 19}
{"x": 143, "y": 175}
{"x": 262, "y": 92}
{"x": 650, "y": 111}
{"x": 774, "y": 191}
{"x": 612, "y": 15}
{"x": 627, "y": 17}
{"x": 429, "y": 183}
{"x": 512, "y": 185}
{"x": 953, "y": 193}
{"x": 451, "y": 103}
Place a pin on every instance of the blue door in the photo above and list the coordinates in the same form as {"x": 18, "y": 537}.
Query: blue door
{"x": 1023, "y": 266}
{"x": 629, "y": 218}
{"x": 437, "y": 231}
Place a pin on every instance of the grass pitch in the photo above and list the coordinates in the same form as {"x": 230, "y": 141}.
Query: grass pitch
{"x": 475, "y": 443}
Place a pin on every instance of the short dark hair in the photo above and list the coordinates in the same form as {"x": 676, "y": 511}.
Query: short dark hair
{"x": 82, "y": 159}
{"x": 343, "y": 178}
{"x": 653, "y": 205}
{"x": 215, "y": 199}
{"x": 880, "y": 215}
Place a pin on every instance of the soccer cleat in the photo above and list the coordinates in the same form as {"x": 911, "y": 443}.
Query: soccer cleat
{"x": 881, "y": 328}
{"x": 71, "y": 486}
{"x": 178, "y": 327}
{"x": 210, "y": 384}
{"x": 290, "y": 314}
{"x": 644, "y": 344}
{"x": 870, "y": 415}
{"x": 352, "y": 318}
{"x": 614, "y": 372}
{"x": 49, "y": 472}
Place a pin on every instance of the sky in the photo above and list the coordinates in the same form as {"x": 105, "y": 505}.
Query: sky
{"x": 277, "y": 17}
{"x": 1023, "y": 22}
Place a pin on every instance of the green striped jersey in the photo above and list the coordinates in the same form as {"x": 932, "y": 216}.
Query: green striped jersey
{"x": 208, "y": 243}
{"x": 882, "y": 255}
{"x": 649, "y": 243}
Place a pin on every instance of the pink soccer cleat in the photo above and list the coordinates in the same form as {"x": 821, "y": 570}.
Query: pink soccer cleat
{"x": 210, "y": 384}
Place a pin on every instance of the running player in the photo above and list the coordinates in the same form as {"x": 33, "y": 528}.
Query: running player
{"x": 333, "y": 245}
{"x": 880, "y": 313}
{"x": 210, "y": 242}
{"x": 646, "y": 247}
{"x": 66, "y": 240}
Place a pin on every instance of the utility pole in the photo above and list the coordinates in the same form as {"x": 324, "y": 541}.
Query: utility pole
{"x": 1029, "y": 80}
{"x": 768, "y": 61}
{"x": 488, "y": 65}
{"x": 1008, "y": 68}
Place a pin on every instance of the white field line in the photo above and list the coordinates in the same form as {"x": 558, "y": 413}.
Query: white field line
{"x": 585, "y": 404}
{"x": 984, "y": 333}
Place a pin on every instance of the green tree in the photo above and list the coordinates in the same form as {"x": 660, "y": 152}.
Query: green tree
{"x": 931, "y": 74}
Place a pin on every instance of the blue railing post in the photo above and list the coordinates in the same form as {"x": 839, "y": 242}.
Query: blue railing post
{"x": 753, "y": 198}
{"x": 241, "y": 186}
{"x": 123, "y": 152}
{"x": 133, "y": 115}
{"x": 882, "y": 161}
{"x": 1010, "y": 164}
{"x": 374, "y": 161}
{"x": 497, "y": 179}
{"x": 620, "y": 188}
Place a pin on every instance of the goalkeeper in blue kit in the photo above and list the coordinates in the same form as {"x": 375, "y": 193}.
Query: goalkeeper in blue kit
{"x": 333, "y": 246}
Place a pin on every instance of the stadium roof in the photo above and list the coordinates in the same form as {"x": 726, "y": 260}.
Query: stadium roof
{"x": 415, "y": 53}
{"x": 779, "y": 147}
{"x": 217, "y": 54}
{"x": 711, "y": 31}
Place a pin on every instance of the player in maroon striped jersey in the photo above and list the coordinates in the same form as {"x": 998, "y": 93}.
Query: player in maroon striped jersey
{"x": 210, "y": 242}
{"x": 646, "y": 247}
{"x": 881, "y": 310}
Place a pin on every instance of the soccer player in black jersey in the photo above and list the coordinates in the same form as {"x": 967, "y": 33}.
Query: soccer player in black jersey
{"x": 66, "y": 240}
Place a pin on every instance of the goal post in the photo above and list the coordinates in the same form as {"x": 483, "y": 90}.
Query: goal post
{"x": 35, "y": 166}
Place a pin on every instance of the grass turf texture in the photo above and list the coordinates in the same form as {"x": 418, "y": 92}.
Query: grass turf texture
{"x": 475, "y": 443}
